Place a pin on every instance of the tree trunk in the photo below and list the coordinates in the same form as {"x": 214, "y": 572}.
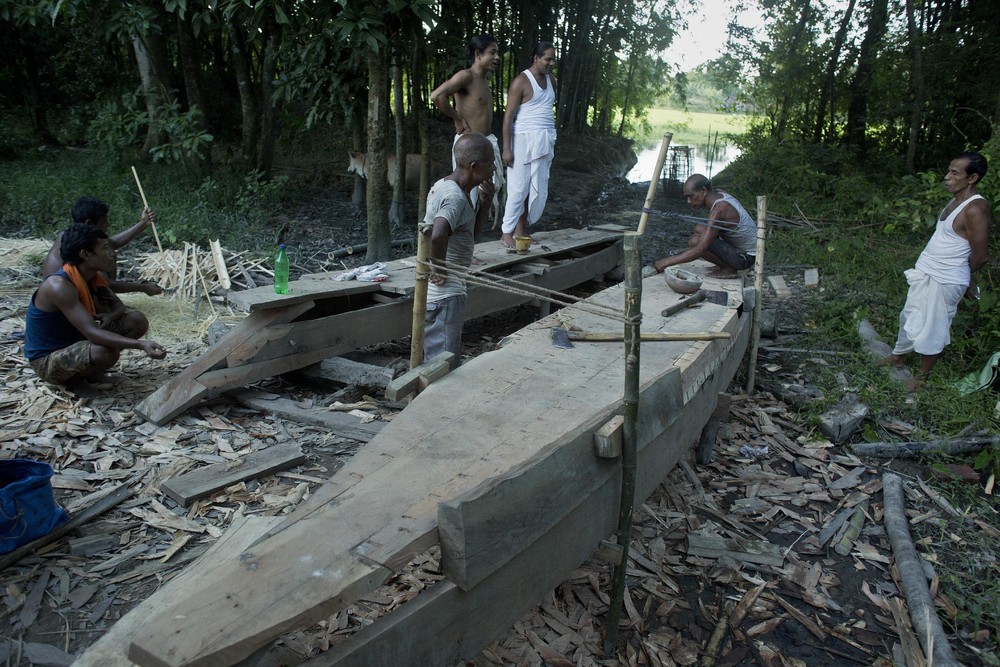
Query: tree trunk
{"x": 187, "y": 51}
{"x": 917, "y": 114}
{"x": 793, "y": 55}
{"x": 154, "y": 86}
{"x": 861, "y": 83}
{"x": 244, "y": 84}
{"x": 379, "y": 240}
{"x": 265, "y": 142}
{"x": 397, "y": 209}
{"x": 28, "y": 77}
{"x": 827, "y": 95}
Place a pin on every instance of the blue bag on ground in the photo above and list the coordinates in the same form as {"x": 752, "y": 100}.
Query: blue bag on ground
{"x": 28, "y": 509}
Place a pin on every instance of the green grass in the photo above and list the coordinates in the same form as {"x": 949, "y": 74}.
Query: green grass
{"x": 689, "y": 127}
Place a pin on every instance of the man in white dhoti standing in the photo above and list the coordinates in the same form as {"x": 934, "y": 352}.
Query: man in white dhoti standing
{"x": 943, "y": 272}
{"x": 529, "y": 138}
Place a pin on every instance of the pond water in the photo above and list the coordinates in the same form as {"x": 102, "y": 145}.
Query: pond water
{"x": 703, "y": 160}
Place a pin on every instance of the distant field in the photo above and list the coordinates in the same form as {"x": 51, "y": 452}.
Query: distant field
{"x": 690, "y": 127}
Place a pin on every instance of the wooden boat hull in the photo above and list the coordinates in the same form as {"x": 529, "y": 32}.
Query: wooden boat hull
{"x": 499, "y": 455}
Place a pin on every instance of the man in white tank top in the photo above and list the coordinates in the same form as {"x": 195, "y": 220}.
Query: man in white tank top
{"x": 727, "y": 239}
{"x": 529, "y": 137}
{"x": 943, "y": 272}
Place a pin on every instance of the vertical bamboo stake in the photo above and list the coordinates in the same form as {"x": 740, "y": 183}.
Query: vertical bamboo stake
{"x": 420, "y": 295}
{"x": 758, "y": 285}
{"x": 145, "y": 205}
{"x": 633, "y": 318}
{"x": 654, "y": 180}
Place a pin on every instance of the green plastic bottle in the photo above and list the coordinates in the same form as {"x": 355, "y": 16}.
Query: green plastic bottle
{"x": 281, "y": 271}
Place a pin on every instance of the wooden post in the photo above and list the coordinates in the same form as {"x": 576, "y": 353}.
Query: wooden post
{"x": 654, "y": 180}
{"x": 633, "y": 318}
{"x": 758, "y": 284}
{"x": 145, "y": 205}
{"x": 420, "y": 295}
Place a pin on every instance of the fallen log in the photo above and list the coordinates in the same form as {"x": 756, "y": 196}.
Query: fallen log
{"x": 926, "y": 624}
{"x": 900, "y": 450}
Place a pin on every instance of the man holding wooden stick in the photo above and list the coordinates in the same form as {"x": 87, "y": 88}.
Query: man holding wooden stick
{"x": 67, "y": 339}
{"x": 92, "y": 211}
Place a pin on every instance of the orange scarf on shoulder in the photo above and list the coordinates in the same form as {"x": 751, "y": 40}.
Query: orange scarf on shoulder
{"x": 83, "y": 289}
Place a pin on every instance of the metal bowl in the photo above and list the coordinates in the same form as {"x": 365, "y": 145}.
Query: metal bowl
{"x": 681, "y": 281}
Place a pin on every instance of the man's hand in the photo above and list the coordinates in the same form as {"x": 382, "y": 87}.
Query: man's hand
{"x": 150, "y": 288}
{"x": 437, "y": 277}
{"x": 508, "y": 157}
{"x": 486, "y": 192}
{"x": 153, "y": 349}
{"x": 148, "y": 217}
{"x": 461, "y": 126}
{"x": 661, "y": 264}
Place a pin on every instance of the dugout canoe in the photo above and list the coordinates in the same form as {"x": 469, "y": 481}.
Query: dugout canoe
{"x": 496, "y": 463}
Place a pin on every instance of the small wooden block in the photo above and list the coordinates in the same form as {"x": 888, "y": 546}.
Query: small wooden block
{"x": 609, "y": 552}
{"x": 812, "y": 277}
{"x": 420, "y": 377}
{"x": 780, "y": 288}
{"x": 749, "y": 551}
{"x": 608, "y": 438}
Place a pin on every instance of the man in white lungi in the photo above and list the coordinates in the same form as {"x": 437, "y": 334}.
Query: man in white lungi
{"x": 943, "y": 272}
{"x": 529, "y": 139}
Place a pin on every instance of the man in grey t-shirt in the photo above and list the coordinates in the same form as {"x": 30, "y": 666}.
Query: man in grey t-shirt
{"x": 455, "y": 226}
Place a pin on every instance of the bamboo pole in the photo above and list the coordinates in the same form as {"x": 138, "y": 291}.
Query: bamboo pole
{"x": 654, "y": 180}
{"x": 420, "y": 295}
{"x": 602, "y": 337}
{"x": 220, "y": 264}
{"x": 633, "y": 318}
{"x": 145, "y": 205}
{"x": 758, "y": 284}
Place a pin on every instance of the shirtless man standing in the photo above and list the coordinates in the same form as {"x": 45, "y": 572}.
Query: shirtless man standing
{"x": 473, "y": 110}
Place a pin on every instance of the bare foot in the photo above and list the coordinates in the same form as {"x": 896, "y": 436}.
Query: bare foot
{"x": 508, "y": 241}
{"x": 894, "y": 360}
{"x": 478, "y": 262}
{"x": 722, "y": 273}
{"x": 914, "y": 383}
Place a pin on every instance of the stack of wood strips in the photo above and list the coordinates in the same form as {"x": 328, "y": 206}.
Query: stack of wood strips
{"x": 192, "y": 272}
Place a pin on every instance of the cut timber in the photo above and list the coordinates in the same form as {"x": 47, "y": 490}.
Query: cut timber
{"x": 206, "y": 481}
{"x": 780, "y": 288}
{"x": 349, "y": 372}
{"x": 277, "y": 337}
{"x": 608, "y": 438}
{"x": 299, "y": 291}
{"x": 812, "y": 277}
{"x": 459, "y": 442}
{"x": 336, "y": 422}
{"x": 749, "y": 551}
{"x": 420, "y": 377}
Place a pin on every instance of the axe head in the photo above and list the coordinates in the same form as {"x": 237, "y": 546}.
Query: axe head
{"x": 560, "y": 338}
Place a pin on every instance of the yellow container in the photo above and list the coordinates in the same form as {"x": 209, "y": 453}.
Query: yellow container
{"x": 522, "y": 243}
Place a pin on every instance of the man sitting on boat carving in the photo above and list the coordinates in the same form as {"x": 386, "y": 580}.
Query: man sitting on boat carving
{"x": 455, "y": 225}
{"x": 727, "y": 239}
{"x": 943, "y": 272}
{"x": 76, "y": 327}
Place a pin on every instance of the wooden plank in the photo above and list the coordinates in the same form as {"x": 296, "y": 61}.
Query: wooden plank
{"x": 350, "y": 372}
{"x": 110, "y": 650}
{"x": 209, "y": 479}
{"x": 184, "y": 390}
{"x": 750, "y": 551}
{"x": 608, "y": 438}
{"x": 780, "y": 288}
{"x": 299, "y": 291}
{"x": 344, "y": 425}
{"x": 99, "y": 507}
{"x": 381, "y": 508}
{"x": 811, "y": 277}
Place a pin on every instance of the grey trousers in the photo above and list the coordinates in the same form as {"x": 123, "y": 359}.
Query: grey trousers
{"x": 443, "y": 327}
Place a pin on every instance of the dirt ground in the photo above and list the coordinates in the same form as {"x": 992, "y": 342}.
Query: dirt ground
{"x": 749, "y": 560}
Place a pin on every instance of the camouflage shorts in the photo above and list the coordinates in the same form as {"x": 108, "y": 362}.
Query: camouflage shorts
{"x": 63, "y": 365}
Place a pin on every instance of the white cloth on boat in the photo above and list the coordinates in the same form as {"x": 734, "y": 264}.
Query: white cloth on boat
{"x": 925, "y": 321}
{"x": 370, "y": 273}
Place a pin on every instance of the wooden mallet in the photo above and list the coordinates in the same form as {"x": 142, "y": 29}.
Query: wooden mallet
{"x": 145, "y": 205}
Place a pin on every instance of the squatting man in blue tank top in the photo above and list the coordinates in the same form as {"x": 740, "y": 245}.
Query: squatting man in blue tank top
{"x": 727, "y": 239}
{"x": 76, "y": 326}
{"x": 943, "y": 272}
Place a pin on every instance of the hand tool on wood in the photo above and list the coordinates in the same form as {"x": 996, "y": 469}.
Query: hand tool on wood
{"x": 712, "y": 296}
